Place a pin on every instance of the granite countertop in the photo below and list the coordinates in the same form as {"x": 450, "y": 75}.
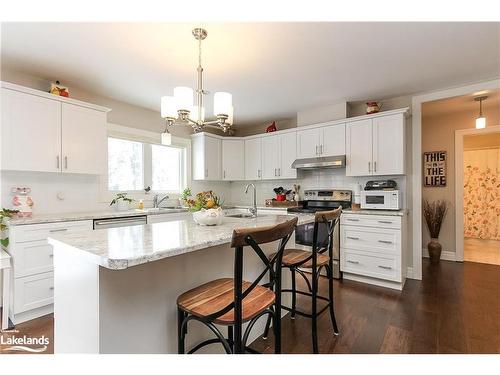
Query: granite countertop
{"x": 402, "y": 212}
{"x": 121, "y": 248}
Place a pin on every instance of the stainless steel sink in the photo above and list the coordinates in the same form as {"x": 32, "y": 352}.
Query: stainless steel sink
{"x": 244, "y": 216}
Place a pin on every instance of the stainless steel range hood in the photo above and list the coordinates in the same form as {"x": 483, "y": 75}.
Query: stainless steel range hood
{"x": 320, "y": 163}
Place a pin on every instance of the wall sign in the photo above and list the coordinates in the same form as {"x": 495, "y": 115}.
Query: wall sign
{"x": 435, "y": 169}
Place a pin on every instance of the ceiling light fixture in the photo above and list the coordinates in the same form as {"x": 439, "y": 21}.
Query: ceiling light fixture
{"x": 480, "y": 120}
{"x": 179, "y": 108}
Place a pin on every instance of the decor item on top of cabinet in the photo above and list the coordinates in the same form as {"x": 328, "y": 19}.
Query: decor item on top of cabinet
{"x": 5, "y": 214}
{"x": 122, "y": 202}
{"x": 435, "y": 169}
{"x": 434, "y": 214}
{"x": 271, "y": 128}
{"x": 296, "y": 192}
{"x": 205, "y": 206}
{"x": 373, "y": 107}
{"x": 22, "y": 201}
{"x": 59, "y": 90}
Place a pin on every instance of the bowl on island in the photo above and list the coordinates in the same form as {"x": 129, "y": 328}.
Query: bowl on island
{"x": 211, "y": 216}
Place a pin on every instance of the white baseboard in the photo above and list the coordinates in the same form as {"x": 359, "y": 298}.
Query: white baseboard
{"x": 445, "y": 255}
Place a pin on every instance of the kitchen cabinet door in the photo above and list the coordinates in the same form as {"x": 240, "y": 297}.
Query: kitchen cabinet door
{"x": 30, "y": 132}
{"x": 288, "y": 154}
{"x": 206, "y": 153}
{"x": 389, "y": 145}
{"x": 233, "y": 159}
{"x": 333, "y": 140}
{"x": 253, "y": 159}
{"x": 270, "y": 157}
{"x": 308, "y": 143}
{"x": 84, "y": 140}
{"x": 359, "y": 148}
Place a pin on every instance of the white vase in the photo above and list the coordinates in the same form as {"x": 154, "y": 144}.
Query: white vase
{"x": 212, "y": 216}
{"x": 122, "y": 205}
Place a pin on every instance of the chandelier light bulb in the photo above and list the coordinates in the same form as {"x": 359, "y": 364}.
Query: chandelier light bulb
{"x": 223, "y": 102}
{"x": 480, "y": 123}
{"x": 183, "y": 98}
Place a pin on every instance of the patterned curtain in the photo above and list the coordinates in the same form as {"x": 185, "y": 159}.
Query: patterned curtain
{"x": 482, "y": 194}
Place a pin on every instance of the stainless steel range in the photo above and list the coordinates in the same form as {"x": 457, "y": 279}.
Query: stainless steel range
{"x": 321, "y": 200}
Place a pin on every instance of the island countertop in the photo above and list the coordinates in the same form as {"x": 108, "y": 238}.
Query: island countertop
{"x": 121, "y": 248}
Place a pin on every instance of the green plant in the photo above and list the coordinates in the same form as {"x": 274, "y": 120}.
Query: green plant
{"x": 5, "y": 213}
{"x": 202, "y": 200}
{"x": 434, "y": 214}
{"x": 121, "y": 196}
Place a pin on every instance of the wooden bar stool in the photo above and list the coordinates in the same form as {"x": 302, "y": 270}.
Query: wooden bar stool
{"x": 320, "y": 257}
{"x": 233, "y": 301}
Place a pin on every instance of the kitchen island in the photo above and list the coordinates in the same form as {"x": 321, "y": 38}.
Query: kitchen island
{"x": 115, "y": 290}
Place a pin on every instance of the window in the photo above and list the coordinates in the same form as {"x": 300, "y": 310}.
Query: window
{"x": 134, "y": 165}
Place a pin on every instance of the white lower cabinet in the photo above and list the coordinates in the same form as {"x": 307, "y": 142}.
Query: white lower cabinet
{"x": 33, "y": 284}
{"x": 371, "y": 249}
{"x": 161, "y": 218}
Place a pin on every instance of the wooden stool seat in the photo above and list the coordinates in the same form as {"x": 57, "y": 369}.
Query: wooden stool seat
{"x": 293, "y": 257}
{"x": 211, "y": 297}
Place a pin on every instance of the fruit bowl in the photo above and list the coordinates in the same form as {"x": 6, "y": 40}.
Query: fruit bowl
{"x": 212, "y": 216}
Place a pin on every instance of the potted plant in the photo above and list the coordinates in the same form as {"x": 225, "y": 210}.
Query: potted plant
{"x": 122, "y": 202}
{"x": 434, "y": 214}
{"x": 5, "y": 214}
{"x": 205, "y": 206}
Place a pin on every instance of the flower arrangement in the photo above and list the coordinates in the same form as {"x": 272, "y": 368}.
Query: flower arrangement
{"x": 434, "y": 214}
{"x": 202, "y": 200}
{"x": 122, "y": 201}
{"x": 4, "y": 214}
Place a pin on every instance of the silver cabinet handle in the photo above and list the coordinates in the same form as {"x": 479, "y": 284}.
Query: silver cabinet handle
{"x": 58, "y": 166}
{"x": 224, "y": 173}
{"x": 206, "y": 173}
{"x": 279, "y": 171}
{"x": 258, "y": 173}
{"x": 375, "y": 166}
{"x": 385, "y": 267}
{"x": 65, "y": 162}
{"x": 352, "y": 219}
{"x": 317, "y": 153}
{"x": 58, "y": 230}
{"x": 353, "y": 238}
{"x": 369, "y": 166}
{"x": 385, "y": 222}
{"x": 383, "y": 241}
{"x": 51, "y": 288}
{"x": 321, "y": 149}
{"x": 353, "y": 261}
{"x": 275, "y": 173}
{"x": 51, "y": 256}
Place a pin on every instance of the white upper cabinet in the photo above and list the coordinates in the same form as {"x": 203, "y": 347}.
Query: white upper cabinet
{"x": 376, "y": 146}
{"x": 84, "y": 141}
{"x": 31, "y": 132}
{"x": 333, "y": 140}
{"x": 45, "y": 133}
{"x": 233, "y": 159}
{"x": 389, "y": 145}
{"x": 308, "y": 142}
{"x": 270, "y": 157}
{"x": 207, "y": 152}
{"x": 253, "y": 159}
{"x": 288, "y": 154}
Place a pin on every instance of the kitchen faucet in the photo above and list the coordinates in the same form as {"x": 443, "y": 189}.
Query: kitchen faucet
{"x": 253, "y": 210}
{"x": 156, "y": 202}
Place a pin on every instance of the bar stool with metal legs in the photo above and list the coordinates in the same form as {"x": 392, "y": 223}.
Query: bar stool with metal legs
{"x": 320, "y": 257}
{"x": 233, "y": 301}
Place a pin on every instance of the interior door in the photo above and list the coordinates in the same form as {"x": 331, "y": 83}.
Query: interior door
{"x": 333, "y": 143}
{"x": 84, "y": 140}
{"x": 253, "y": 159}
{"x": 270, "y": 157}
{"x": 308, "y": 143}
{"x": 31, "y": 132}
{"x": 233, "y": 159}
{"x": 388, "y": 145}
{"x": 288, "y": 151}
{"x": 359, "y": 148}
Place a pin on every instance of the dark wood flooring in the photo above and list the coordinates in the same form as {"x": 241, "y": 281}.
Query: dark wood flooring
{"x": 454, "y": 309}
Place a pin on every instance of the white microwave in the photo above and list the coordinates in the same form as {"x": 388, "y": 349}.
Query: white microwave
{"x": 381, "y": 199}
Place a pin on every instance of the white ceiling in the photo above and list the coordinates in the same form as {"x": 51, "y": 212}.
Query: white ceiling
{"x": 272, "y": 69}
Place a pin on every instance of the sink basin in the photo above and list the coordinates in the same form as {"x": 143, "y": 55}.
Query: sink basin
{"x": 244, "y": 216}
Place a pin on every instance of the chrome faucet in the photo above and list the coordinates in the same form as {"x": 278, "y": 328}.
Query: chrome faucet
{"x": 253, "y": 210}
{"x": 156, "y": 202}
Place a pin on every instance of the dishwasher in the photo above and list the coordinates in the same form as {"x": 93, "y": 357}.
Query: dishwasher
{"x": 116, "y": 222}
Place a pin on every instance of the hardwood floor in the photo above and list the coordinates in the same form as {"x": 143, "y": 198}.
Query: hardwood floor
{"x": 482, "y": 251}
{"x": 454, "y": 309}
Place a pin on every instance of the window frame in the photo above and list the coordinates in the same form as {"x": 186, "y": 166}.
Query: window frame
{"x": 147, "y": 138}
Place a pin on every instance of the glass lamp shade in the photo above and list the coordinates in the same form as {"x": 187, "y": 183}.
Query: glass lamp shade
{"x": 183, "y": 98}
{"x": 166, "y": 139}
{"x": 481, "y": 122}
{"x": 194, "y": 113}
{"x": 168, "y": 107}
{"x": 223, "y": 102}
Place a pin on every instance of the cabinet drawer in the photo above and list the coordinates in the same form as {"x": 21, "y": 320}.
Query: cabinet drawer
{"x": 377, "y": 221}
{"x": 32, "y": 258}
{"x": 32, "y": 292}
{"x": 387, "y": 241}
{"x": 35, "y": 232}
{"x": 373, "y": 265}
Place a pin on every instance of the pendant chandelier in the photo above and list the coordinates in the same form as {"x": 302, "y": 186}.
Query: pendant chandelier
{"x": 480, "y": 120}
{"x": 179, "y": 108}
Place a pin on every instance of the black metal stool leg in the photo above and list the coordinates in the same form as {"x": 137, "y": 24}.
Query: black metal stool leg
{"x": 230, "y": 336}
{"x": 330, "y": 302}
{"x": 180, "y": 334}
{"x": 294, "y": 294}
{"x": 314, "y": 313}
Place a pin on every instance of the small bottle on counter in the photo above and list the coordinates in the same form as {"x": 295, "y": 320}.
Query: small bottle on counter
{"x": 140, "y": 206}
